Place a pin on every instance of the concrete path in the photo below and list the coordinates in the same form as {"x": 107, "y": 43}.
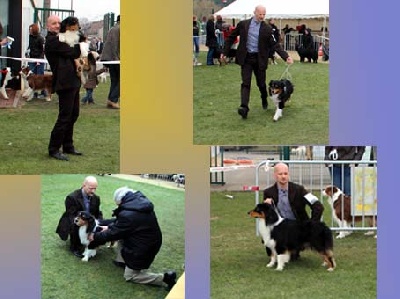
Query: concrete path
{"x": 141, "y": 179}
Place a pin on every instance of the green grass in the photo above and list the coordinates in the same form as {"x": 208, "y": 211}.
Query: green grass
{"x": 216, "y": 98}
{"x": 238, "y": 260}
{"x": 25, "y": 135}
{"x": 65, "y": 276}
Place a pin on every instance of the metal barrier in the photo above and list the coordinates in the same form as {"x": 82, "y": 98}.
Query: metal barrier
{"x": 291, "y": 39}
{"x": 315, "y": 176}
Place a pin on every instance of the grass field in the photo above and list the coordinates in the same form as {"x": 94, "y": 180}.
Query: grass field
{"x": 25, "y": 135}
{"x": 238, "y": 260}
{"x": 216, "y": 98}
{"x": 64, "y": 276}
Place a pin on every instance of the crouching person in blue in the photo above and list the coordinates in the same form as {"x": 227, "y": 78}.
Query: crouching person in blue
{"x": 140, "y": 238}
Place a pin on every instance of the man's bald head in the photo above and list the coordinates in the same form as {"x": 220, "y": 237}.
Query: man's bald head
{"x": 259, "y": 13}
{"x": 53, "y": 23}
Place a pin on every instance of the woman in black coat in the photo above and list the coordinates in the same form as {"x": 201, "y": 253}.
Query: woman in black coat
{"x": 137, "y": 228}
{"x": 211, "y": 40}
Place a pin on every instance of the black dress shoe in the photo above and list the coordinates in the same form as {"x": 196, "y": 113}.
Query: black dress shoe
{"x": 119, "y": 264}
{"x": 59, "y": 156}
{"x": 170, "y": 279}
{"x": 73, "y": 152}
{"x": 243, "y": 112}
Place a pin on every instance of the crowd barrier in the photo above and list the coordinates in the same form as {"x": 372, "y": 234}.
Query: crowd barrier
{"x": 314, "y": 176}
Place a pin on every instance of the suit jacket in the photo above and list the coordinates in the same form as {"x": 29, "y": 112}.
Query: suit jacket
{"x": 297, "y": 201}
{"x": 73, "y": 204}
{"x": 111, "y": 45}
{"x": 266, "y": 43}
{"x": 61, "y": 59}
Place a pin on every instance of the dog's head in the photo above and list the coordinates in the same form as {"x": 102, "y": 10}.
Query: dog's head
{"x": 330, "y": 190}
{"x": 276, "y": 86}
{"x": 265, "y": 211}
{"x": 25, "y": 72}
{"x": 83, "y": 218}
{"x": 280, "y": 87}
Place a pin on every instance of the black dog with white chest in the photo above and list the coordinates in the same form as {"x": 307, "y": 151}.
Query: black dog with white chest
{"x": 87, "y": 225}
{"x": 283, "y": 236}
{"x": 280, "y": 92}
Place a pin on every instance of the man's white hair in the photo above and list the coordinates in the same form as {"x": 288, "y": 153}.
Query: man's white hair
{"x": 120, "y": 193}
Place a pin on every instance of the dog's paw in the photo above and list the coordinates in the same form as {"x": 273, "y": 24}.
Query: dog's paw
{"x": 85, "y": 259}
{"x": 340, "y": 236}
{"x": 330, "y": 269}
{"x": 279, "y": 268}
{"x": 270, "y": 265}
{"x": 370, "y": 233}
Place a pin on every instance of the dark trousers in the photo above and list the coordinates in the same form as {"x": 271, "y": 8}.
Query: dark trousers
{"x": 341, "y": 177}
{"x": 250, "y": 66}
{"x": 68, "y": 113}
{"x": 113, "y": 94}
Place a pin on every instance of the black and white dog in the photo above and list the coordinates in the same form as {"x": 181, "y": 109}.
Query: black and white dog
{"x": 280, "y": 92}
{"x": 283, "y": 236}
{"x": 6, "y": 76}
{"x": 87, "y": 225}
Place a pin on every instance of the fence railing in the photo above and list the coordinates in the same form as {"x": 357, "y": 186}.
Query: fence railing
{"x": 315, "y": 176}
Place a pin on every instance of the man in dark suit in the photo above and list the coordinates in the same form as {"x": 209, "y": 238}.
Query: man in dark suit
{"x": 83, "y": 199}
{"x": 66, "y": 84}
{"x": 256, "y": 42}
{"x": 291, "y": 199}
{"x": 99, "y": 46}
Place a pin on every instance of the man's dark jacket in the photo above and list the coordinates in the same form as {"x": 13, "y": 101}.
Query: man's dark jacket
{"x": 61, "y": 59}
{"x": 137, "y": 226}
{"x": 266, "y": 43}
{"x": 73, "y": 204}
{"x": 297, "y": 201}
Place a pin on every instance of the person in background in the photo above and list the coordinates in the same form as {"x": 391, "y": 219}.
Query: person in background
{"x": 275, "y": 32}
{"x": 99, "y": 45}
{"x": 111, "y": 53}
{"x": 218, "y": 31}
{"x": 196, "y": 41}
{"x": 211, "y": 40}
{"x": 3, "y": 42}
{"x": 36, "y": 50}
{"x": 92, "y": 81}
{"x": 341, "y": 173}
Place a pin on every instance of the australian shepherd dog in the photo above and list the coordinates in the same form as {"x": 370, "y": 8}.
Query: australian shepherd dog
{"x": 280, "y": 92}
{"x": 87, "y": 225}
{"x": 281, "y": 237}
{"x": 341, "y": 211}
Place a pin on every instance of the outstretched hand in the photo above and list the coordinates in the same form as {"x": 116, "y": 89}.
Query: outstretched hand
{"x": 289, "y": 60}
{"x": 268, "y": 201}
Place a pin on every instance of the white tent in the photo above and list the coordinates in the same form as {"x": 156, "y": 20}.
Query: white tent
{"x": 277, "y": 9}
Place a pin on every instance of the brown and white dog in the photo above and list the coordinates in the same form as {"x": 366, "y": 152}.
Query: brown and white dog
{"x": 35, "y": 83}
{"x": 341, "y": 210}
{"x": 6, "y": 76}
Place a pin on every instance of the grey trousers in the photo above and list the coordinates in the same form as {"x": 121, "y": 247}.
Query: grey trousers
{"x": 139, "y": 276}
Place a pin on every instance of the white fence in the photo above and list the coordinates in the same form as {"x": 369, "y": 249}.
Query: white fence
{"x": 314, "y": 176}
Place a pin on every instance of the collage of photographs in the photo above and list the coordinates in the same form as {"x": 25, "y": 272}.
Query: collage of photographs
{"x": 127, "y": 172}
